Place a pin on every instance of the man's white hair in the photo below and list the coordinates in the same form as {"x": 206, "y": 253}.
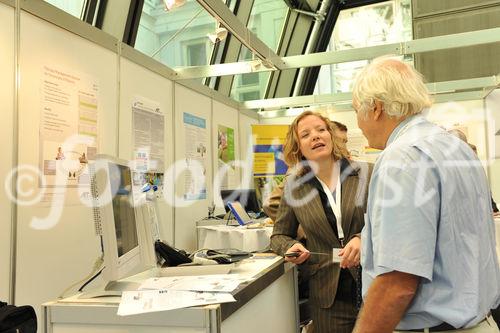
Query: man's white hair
{"x": 397, "y": 85}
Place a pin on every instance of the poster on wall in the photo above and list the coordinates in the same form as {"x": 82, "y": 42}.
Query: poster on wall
{"x": 68, "y": 129}
{"x": 148, "y": 130}
{"x": 225, "y": 144}
{"x": 226, "y": 156}
{"x": 468, "y": 117}
{"x": 195, "y": 131}
{"x": 268, "y": 158}
{"x": 148, "y": 188}
{"x": 269, "y": 167}
{"x": 358, "y": 147}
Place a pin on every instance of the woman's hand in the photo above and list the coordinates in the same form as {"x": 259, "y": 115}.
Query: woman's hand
{"x": 301, "y": 250}
{"x": 351, "y": 253}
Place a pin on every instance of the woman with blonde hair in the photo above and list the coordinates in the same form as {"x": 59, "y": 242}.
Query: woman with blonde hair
{"x": 326, "y": 195}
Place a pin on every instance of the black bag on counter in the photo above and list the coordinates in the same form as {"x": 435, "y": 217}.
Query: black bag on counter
{"x": 17, "y": 319}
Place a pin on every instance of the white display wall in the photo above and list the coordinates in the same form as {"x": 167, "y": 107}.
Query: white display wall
{"x": 139, "y": 84}
{"x": 6, "y": 137}
{"x": 63, "y": 249}
{"x": 56, "y": 243}
{"x": 188, "y": 210}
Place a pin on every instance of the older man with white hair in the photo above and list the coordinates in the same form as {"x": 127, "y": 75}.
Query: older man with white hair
{"x": 428, "y": 246}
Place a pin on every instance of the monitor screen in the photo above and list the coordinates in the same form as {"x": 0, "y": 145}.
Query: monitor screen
{"x": 123, "y": 211}
{"x": 247, "y": 198}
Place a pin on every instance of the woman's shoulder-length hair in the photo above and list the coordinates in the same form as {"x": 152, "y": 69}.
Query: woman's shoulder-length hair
{"x": 291, "y": 150}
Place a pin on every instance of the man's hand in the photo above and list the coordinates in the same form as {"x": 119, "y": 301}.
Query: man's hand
{"x": 351, "y": 253}
{"x": 386, "y": 302}
{"x": 303, "y": 254}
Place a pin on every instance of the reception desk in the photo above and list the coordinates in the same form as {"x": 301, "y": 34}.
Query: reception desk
{"x": 268, "y": 303}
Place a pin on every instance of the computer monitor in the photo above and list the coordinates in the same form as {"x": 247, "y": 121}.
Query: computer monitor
{"x": 247, "y": 198}
{"x": 125, "y": 240}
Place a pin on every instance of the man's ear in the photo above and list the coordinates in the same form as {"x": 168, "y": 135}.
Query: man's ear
{"x": 378, "y": 109}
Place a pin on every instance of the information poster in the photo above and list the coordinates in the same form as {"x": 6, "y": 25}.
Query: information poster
{"x": 195, "y": 129}
{"x": 358, "y": 148}
{"x": 269, "y": 167}
{"x": 68, "y": 128}
{"x": 147, "y": 189}
{"x": 225, "y": 144}
{"x": 226, "y": 157}
{"x": 148, "y": 128}
{"x": 268, "y": 159}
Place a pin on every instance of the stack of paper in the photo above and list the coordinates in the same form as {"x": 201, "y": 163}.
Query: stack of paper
{"x": 168, "y": 293}
{"x": 142, "y": 301}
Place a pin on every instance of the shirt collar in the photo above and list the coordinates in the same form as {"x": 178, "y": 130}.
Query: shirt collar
{"x": 347, "y": 169}
{"x": 408, "y": 122}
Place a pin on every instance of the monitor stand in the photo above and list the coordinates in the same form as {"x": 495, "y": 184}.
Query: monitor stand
{"x": 111, "y": 289}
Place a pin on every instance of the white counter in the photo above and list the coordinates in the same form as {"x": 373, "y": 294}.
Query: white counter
{"x": 266, "y": 304}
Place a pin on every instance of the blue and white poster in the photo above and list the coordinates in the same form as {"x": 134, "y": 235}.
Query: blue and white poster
{"x": 195, "y": 131}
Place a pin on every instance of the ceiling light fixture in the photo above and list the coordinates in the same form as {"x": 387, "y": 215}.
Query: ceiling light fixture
{"x": 219, "y": 34}
{"x": 171, "y": 4}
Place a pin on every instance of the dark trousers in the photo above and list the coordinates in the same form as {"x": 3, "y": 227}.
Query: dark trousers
{"x": 495, "y": 313}
{"x": 341, "y": 316}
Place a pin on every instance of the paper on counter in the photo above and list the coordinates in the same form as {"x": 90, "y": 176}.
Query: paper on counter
{"x": 144, "y": 301}
{"x": 210, "y": 283}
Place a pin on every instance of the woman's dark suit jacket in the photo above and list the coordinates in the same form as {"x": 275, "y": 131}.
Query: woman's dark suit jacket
{"x": 355, "y": 177}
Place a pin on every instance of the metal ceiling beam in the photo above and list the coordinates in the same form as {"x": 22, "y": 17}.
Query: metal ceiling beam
{"x": 295, "y": 111}
{"x": 319, "y": 38}
{"x": 443, "y": 91}
{"x": 334, "y": 57}
{"x": 458, "y": 97}
{"x": 277, "y": 103}
{"x": 348, "y": 4}
{"x": 233, "y": 68}
{"x": 465, "y": 84}
{"x": 221, "y": 13}
{"x": 463, "y": 39}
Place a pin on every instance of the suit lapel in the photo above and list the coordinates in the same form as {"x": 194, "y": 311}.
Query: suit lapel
{"x": 350, "y": 181}
{"x": 349, "y": 188}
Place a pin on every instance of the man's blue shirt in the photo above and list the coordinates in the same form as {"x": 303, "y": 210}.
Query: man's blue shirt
{"x": 429, "y": 214}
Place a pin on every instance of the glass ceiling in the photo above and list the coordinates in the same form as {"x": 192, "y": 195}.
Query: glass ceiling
{"x": 73, "y": 7}
{"x": 371, "y": 25}
{"x": 178, "y": 37}
{"x": 266, "y": 22}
